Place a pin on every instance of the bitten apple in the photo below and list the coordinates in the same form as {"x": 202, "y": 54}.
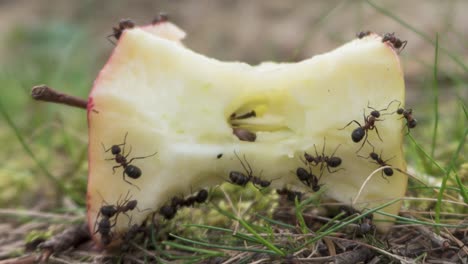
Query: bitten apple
{"x": 166, "y": 99}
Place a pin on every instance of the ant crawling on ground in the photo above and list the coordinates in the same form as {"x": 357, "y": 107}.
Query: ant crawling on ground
{"x": 117, "y": 31}
{"x": 378, "y": 160}
{"x": 396, "y": 42}
{"x": 131, "y": 171}
{"x": 363, "y": 34}
{"x": 130, "y": 235}
{"x": 369, "y": 124}
{"x": 366, "y": 224}
{"x": 291, "y": 195}
{"x": 328, "y": 161}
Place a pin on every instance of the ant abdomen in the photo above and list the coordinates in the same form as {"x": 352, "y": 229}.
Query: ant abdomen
{"x": 133, "y": 171}
{"x": 358, "y": 134}
{"x": 388, "y": 171}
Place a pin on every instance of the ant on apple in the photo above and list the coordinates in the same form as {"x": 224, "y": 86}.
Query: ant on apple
{"x": 241, "y": 179}
{"x": 378, "y": 160}
{"x": 162, "y": 17}
{"x": 363, "y": 34}
{"x": 169, "y": 211}
{"x": 396, "y": 42}
{"x": 291, "y": 195}
{"x": 407, "y": 114}
{"x": 369, "y": 124}
{"x": 250, "y": 114}
{"x": 117, "y": 31}
{"x": 308, "y": 178}
{"x": 131, "y": 171}
{"x": 329, "y": 161}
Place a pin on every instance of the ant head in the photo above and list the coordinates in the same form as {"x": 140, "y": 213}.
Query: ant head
{"x": 126, "y": 23}
{"x": 412, "y": 123}
{"x": 115, "y": 149}
{"x": 316, "y": 188}
{"x": 400, "y": 111}
{"x": 388, "y": 171}
{"x": 133, "y": 171}
{"x": 308, "y": 157}
{"x": 375, "y": 113}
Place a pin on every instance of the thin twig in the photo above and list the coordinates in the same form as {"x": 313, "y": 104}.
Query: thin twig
{"x": 44, "y": 93}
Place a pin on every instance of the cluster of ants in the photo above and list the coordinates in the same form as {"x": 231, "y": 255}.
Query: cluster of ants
{"x": 362, "y": 131}
{"x": 168, "y": 211}
{"x": 129, "y": 24}
{"x": 396, "y": 43}
{"x": 107, "y": 218}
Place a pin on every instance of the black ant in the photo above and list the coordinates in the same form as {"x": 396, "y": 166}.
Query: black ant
{"x": 162, "y": 17}
{"x": 131, "y": 171}
{"x": 330, "y": 161}
{"x": 366, "y": 224}
{"x": 291, "y": 195}
{"x": 411, "y": 122}
{"x": 250, "y": 114}
{"x": 244, "y": 134}
{"x": 241, "y": 179}
{"x": 108, "y": 211}
{"x": 104, "y": 229}
{"x": 378, "y": 160}
{"x": 123, "y": 25}
{"x": 170, "y": 210}
{"x": 363, "y": 34}
{"x": 369, "y": 124}
{"x": 396, "y": 42}
{"x": 131, "y": 233}
{"x": 308, "y": 178}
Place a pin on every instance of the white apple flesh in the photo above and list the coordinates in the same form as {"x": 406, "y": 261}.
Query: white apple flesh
{"x": 178, "y": 103}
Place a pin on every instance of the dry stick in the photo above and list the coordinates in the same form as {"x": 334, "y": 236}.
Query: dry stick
{"x": 44, "y": 93}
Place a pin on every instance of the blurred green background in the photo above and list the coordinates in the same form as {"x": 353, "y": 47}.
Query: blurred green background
{"x": 63, "y": 44}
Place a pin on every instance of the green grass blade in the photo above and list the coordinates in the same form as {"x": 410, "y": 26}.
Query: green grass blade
{"x": 384, "y": 11}
{"x": 59, "y": 185}
{"x": 238, "y": 235}
{"x": 425, "y": 153}
{"x": 435, "y": 86}
{"x": 345, "y": 223}
{"x": 275, "y": 222}
{"x": 223, "y": 246}
{"x": 193, "y": 249}
{"x": 261, "y": 239}
{"x": 405, "y": 220}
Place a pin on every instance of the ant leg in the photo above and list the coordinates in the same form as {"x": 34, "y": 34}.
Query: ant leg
{"x": 364, "y": 142}
{"x": 110, "y": 159}
{"x": 142, "y": 157}
{"x": 115, "y": 167}
{"x": 388, "y": 106}
{"x": 351, "y": 123}
{"x": 368, "y": 106}
{"x": 123, "y": 144}
{"x": 377, "y": 131}
{"x": 333, "y": 154}
{"x": 250, "y": 172}
{"x": 125, "y": 180}
{"x": 128, "y": 154}
{"x": 330, "y": 171}
{"x": 109, "y": 39}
